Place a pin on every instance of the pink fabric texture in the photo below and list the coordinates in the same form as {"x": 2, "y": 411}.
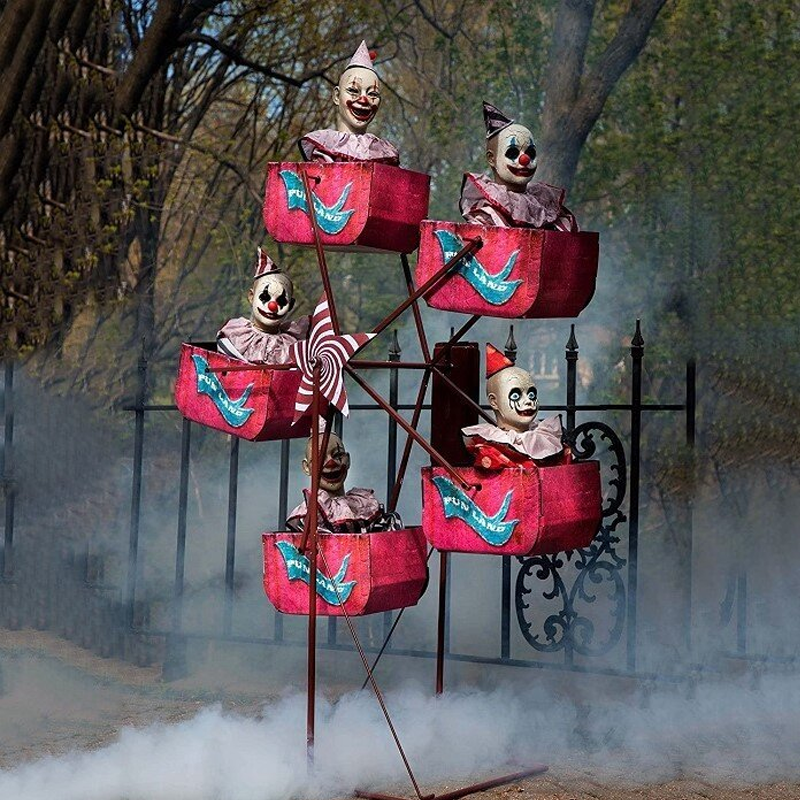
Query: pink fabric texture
{"x": 333, "y": 145}
{"x": 387, "y": 567}
{"x": 541, "y": 441}
{"x": 260, "y": 347}
{"x": 348, "y": 512}
{"x": 484, "y": 201}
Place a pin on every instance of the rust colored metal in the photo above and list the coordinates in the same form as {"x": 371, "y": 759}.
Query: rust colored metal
{"x": 311, "y": 530}
{"x": 323, "y": 264}
{"x": 468, "y": 249}
{"x": 454, "y": 403}
{"x": 434, "y": 454}
{"x": 401, "y": 470}
{"x": 441, "y": 622}
{"x": 376, "y": 688}
{"x": 473, "y": 788}
{"x": 423, "y": 339}
{"x": 251, "y": 367}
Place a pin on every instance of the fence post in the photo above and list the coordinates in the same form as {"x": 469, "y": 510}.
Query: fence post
{"x": 136, "y": 488}
{"x": 691, "y": 410}
{"x": 230, "y": 542}
{"x": 174, "y": 666}
{"x": 9, "y": 488}
{"x": 637, "y": 354}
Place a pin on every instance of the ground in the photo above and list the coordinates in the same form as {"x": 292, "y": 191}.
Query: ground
{"x": 57, "y": 698}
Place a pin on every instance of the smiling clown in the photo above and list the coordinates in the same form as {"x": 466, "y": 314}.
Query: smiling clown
{"x": 357, "y": 98}
{"x": 517, "y": 440}
{"x": 507, "y": 196}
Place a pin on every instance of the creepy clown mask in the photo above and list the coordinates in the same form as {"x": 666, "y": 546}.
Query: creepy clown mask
{"x": 358, "y": 93}
{"x": 510, "y": 392}
{"x": 335, "y": 465}
{"x": 510, "y": 150}
{"x": 271, "y": 296}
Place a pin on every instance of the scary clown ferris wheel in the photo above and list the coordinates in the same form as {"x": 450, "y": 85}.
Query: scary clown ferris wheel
{"x": 506, "y": 485}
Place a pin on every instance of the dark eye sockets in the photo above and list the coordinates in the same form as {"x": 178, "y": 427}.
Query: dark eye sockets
{"x": 531, "y": 153}
{"x": 514, "y": 394}
{"x": 532, "y": 393}
{"x": 512, "y": 153}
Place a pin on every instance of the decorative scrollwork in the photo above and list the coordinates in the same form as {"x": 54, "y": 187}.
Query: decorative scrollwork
{"x": 591, "y": 568}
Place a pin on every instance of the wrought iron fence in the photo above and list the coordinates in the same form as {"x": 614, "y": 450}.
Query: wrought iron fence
{"x": 566, "y": 628}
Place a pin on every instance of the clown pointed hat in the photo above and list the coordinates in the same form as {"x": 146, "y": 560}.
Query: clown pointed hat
{"x": 264, "y": 265}
{"x": 495, "y": 361}
{"x": 494, "y": 119}
{"x": 362, "y": 57}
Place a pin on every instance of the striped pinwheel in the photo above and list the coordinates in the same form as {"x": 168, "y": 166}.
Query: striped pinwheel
{"x": 331, "y": 352}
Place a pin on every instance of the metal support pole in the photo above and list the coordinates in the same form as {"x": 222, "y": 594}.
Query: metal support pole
{"x": 136, "y": 489}
{"x": 441, "y": 629}
{"x": 572, "y": 363}
{"x": 9, "y": 488}
{"x": 391, "y": 458}
{"x": 230, "y": 543}
{"x": 741, "y": 613}
{"x": 175, "y": 657}
{"x": 283, "y": 510}
{"x": 637, "y": 354}
{"x": 691, "y": 408}
{"x": 505, "y": 609}
{"x": 313, "y": 543}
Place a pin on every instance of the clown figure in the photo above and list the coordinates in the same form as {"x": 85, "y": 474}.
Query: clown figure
{"x": 517, "y": 440}
{"x": 340, "y": 511}
{"x": 357, "y": 98}
{"x": 267, "y": 337}
{"x": 507, "y": 196}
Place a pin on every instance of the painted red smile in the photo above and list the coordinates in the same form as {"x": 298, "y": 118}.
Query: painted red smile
{"x": 521, "y": 172}
{"x": 361, "y": 112}
{"x": 526, "y": 412}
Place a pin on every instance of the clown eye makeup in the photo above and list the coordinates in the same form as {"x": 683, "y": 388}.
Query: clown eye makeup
{"x": 515, "y": 395}
{"x": 532, "y": 394}
{"x": 512, "y": 153}
{"x": 531, "y": 153}
{"x": 282, "y": 300}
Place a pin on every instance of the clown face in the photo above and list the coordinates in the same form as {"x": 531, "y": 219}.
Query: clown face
{"x": 512, "y": 156}
{"x": 357, "y": 98}
{"x": 271, "y": 298}
{"x": 335, "y": 465}
{"x": 513, "y": 397}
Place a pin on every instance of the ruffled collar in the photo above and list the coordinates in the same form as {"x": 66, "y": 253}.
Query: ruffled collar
{"x": 539, "y": 206}
{"x": 343, "y": 146}
{"x": 541, "y": 441}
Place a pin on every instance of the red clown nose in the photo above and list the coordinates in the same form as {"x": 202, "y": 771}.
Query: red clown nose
{"x": 524, "y": 159}
{"x": 272, "y": 306}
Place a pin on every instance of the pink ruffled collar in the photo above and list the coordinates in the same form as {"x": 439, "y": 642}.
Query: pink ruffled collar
{"x": 539, "y": 206}
{"x": 541, "y": 441}
{"x": 343, "y": 146}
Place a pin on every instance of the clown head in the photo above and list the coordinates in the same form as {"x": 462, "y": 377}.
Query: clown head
{"x": 510, "y": 392}
{"x": 357, "y": 96}
{"x": 510, "y": 150}
{"x": 271, "y": 296}
{"x": 335, "y": 465}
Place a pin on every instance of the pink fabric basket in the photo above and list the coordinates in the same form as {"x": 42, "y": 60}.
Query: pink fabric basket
{"x": 517, "y": 273}
{"x": 370, "y": 572}
{"x": 539, "y": 509}
{"x": 256, "y": 404}
{"x": 360, "y": 206}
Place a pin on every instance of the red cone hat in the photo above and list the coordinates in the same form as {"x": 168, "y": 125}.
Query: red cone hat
{"x": 264, "y": 265}
{"x": 495, "y": 361}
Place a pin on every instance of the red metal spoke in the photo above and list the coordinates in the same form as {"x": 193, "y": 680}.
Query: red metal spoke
{"x": 423, "y": 339}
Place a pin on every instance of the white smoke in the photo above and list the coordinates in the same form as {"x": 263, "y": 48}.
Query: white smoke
{"x": 723, "y": 733}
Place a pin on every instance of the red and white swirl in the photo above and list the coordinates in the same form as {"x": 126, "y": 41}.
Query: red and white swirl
{"x": 332, "y": 352}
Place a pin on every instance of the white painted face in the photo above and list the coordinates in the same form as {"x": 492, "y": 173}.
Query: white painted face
{"x": 335, "y": 466}
{"x": 513, "y": 397}
{"x": 357, "y": 98}
{"x": 272, "y": 299}
{"x": 512, "y": 156}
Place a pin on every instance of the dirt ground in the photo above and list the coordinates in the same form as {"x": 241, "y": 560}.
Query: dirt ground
{"x": 41, "y": 715}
